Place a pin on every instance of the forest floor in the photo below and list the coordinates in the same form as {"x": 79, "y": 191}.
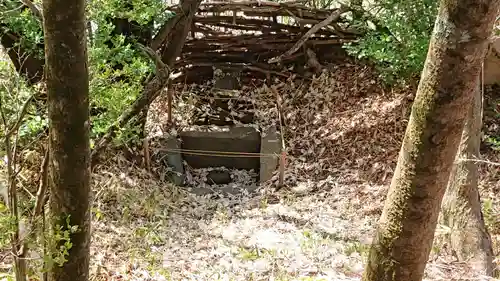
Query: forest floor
{"x": 343, "y": 133}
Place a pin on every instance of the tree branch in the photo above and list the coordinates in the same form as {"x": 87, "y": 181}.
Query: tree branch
{"x": 149, "y": 93}
{"x": 334, "y": 16}
{"x": 163, "y": 33}
{"x": 33, "y": 9}
{"x": 42, "y": 189}
{"x": 24, "y": 110}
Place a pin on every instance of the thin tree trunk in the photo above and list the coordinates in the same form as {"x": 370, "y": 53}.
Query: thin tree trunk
{"x": 405, "y": 233}
{"x": 68, "y": 100}
{"x": 461, "y": 209}
{"x": 175, "y": 37}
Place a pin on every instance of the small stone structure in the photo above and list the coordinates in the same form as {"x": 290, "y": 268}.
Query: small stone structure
{"x": 201, "y": 148}
{"x": 233, "y": 139}
{"x": 269, "y": 145}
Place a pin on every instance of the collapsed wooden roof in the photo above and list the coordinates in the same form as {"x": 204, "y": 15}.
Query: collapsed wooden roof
{"x": 263, "y": 39}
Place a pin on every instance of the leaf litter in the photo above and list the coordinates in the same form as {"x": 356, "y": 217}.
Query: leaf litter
{"x": 342, "y": 132}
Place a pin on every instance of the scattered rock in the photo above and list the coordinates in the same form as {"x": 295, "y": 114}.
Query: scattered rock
{"x": 218, "y": 177}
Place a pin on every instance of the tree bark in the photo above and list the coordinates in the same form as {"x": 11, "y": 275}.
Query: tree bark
{"x": 404, "y": 237}
{"x": 68, "y": 101}
{"x": 461, "y": 208}
{"x": 177, "y": 34}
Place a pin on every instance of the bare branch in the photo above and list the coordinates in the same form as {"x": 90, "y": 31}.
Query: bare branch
{"x": 33, "y": 9}
{"x": 153, "y": 56}
{"x": 334, "y": 16}
{"x": 19, "y": 120}
{"x": 42, "y": 189}
{"x": 163, "y": 33}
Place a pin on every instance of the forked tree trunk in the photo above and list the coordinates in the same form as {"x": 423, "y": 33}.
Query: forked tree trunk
{"x": 461, "y": 208}
{"x": 68, "y": 100}
{"x": 405, "y": 233}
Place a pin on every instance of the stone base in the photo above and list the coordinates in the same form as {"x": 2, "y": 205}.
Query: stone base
{"x": 232, "y": 139}
{"x": 175, "y": 162}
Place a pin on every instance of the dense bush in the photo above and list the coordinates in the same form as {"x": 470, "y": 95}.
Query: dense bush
{"x": 398, "y": 40}
{"x": 112, "y": 88}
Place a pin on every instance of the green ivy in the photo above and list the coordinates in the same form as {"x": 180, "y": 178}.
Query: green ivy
{"x": 59, "y": 244}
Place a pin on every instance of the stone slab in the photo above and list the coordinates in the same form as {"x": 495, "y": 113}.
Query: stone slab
{"x": 231, "y": 139}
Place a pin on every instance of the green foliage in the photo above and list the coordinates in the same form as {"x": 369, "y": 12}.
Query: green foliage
{"x": 13, "y": 95}
{"x": 144, "y": 11}
{"x": 114, "y": 89}
{"x": 491, "y": 217}
{"x": 22, "y": 23}
{"x": 398, "y": 44}
{"x": 492, "y": 136}
{"x": 7, "y": 226}
{"x": 59, "y": 243}
{"x": 111, "y": 89}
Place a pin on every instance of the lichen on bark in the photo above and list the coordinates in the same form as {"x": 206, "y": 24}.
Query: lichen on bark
{"x": 461, "y": 208}
{"x": 406, "y": 229}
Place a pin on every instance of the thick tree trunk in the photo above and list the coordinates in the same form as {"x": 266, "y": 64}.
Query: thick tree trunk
{"x": 68, "y": 99}
{"x": 405, "y": 233}
{"x": 461, "y": 209}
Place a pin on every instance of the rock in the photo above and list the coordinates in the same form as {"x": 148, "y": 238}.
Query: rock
{"x": 218, "y": 177}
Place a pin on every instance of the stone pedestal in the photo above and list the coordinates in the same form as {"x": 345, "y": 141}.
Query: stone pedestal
{"x": 174, "y": 161}
{"x": 269, "y": 144}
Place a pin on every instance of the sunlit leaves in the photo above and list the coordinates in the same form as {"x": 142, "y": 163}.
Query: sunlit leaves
{"x": 399, "y": 45}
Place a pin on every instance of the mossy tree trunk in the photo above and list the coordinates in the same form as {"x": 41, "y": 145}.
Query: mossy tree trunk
{"x": 405, "y": 233}
{"x": 461, "y": 208}
{"x": 68, "y": 101}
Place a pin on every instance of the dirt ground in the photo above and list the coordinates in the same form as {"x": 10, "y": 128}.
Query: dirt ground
{"x": 342, "y": 131}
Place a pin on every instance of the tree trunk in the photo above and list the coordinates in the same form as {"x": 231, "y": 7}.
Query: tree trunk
{"x": 404, "y": 237}
{"x": 68, "y": 100}
{"x": 175, "y": 34}
{"x": 461, "y": 209}
{"x": 178, "y": 33}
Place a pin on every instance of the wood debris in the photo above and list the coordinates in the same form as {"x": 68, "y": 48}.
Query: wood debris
{"x": 265, "y": 39}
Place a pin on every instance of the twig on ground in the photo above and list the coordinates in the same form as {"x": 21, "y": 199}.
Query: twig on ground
{"x": 480, "y": 161}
